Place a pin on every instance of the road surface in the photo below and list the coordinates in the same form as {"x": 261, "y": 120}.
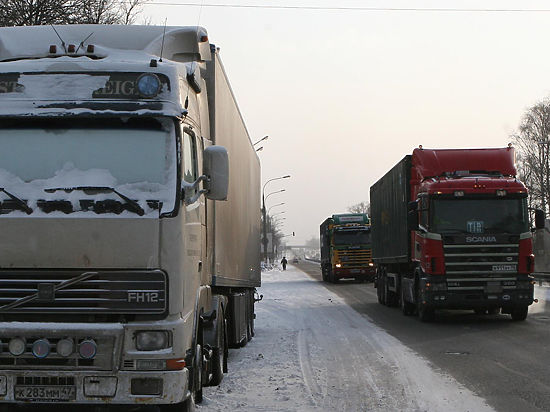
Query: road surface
{"x": 502, "y": 361}
{"x": 313, "y": 352}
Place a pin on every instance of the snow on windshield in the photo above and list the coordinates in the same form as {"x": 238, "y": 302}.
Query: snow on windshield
{"x": 137, "y": 160}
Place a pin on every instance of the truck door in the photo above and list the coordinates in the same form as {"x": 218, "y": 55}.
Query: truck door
{"x": 194, "y": 212}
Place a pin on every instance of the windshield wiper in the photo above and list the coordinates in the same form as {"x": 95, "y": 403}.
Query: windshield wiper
{"x": 134, "y": 205}
{"x": 21, "y": 203}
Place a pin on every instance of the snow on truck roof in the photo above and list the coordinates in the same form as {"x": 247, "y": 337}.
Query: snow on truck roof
{"x": 34, "y": 41}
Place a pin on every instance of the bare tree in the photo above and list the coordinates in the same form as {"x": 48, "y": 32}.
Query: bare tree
{"x": 533, "y": 141}
{"x": 361, "y": 207}
{"x": 43, "y": 12}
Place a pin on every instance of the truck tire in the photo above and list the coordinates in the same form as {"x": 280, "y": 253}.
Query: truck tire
{"x": 519, "y": 313}
{"x": 324, "y": 273}
{"x": 219, "y": 361}
{"x": 390, "y": 298}
{"x": 425, "y": 313}
{"x": 406, "y": 307}
{"x": 198, "y": 370}
{"x": 380, "y": 289}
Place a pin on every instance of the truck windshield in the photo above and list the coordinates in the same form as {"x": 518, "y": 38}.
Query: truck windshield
{"x": 136, "y": 157}
{"x": 479, "y": 216}
{"x": 352, "y": 237}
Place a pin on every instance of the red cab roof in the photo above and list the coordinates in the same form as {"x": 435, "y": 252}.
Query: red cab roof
{"x": 437, "y": 162}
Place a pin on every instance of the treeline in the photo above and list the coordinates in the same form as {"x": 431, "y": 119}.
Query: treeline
{"x": 45, "y": 12}
{"x": 533, "y": 143}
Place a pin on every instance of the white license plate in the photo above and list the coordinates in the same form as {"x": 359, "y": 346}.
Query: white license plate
{"x": 45, "y": 393}
{"x": 504, "y": 268}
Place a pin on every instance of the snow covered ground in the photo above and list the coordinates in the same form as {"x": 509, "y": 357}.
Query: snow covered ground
{"x": 313, "y": 352}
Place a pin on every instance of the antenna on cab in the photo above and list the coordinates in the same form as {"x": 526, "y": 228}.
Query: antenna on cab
{"x": 163, "y": 35}
{"x": 62, "y": 42}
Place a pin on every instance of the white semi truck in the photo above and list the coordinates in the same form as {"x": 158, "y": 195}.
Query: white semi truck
{"x": 129, "y": 216}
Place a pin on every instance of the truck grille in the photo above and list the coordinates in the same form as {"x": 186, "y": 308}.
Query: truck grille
{"x": 481, "y": 259}
{"x": 354, "y": 258}
{"x": 79, "y": 292}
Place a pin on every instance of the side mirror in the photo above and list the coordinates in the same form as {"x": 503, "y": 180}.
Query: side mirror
{"x": 412, "y": 215}
{"x": 216, "y": 167}
{"x": 539, "y": 219}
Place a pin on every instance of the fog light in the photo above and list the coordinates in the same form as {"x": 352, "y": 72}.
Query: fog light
{"x": 152, "y": 340}
{"x": 148, "y": 85}
{"x": 17, "y": 346}
{"x": 65, "y": 347}
{"x": 41, "y": 348}
{"x": 87, "y": 349}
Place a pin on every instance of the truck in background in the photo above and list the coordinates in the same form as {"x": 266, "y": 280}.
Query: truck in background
{"x": 451, "y": 231}
{"x": 130, "y": 216}
{"x": 346, "y": 248}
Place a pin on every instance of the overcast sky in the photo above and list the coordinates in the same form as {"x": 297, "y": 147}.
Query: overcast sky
{"x": 344, "y": 95}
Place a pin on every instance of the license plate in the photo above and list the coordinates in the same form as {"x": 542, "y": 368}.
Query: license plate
{"x": 504, "y": 268}
{"x": 355, "y": 271}
{"x": 45, "y": 393}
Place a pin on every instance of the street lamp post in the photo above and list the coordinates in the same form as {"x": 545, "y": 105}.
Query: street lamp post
{"x": 264, "y": 240}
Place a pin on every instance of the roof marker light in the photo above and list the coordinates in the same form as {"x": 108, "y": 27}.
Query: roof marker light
{"x": 71, "y": 48}
{"x": 53, "y": 49}
{"x": 204, "y": 39}
{"x": 90, "y": 48}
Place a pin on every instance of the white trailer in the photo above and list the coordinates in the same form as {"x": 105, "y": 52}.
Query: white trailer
{"x": 129, "y": 215}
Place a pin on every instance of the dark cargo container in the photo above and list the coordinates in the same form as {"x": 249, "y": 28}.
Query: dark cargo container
{"x": 389, "y": 197}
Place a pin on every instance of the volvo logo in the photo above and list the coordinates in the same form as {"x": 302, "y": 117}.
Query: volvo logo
{"x": 481, "y": 239}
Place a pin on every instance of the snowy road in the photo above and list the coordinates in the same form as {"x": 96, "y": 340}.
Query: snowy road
{"x": 314, "y": 352}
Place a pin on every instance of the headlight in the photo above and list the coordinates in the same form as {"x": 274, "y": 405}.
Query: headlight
{"x": 338, "y": 265}
{"x": 148, "y": 85}
{"x": 152, "y": 340}
{"x": 17, "y": 346}
{"x": 41, "y": 348}
{"x": 87, "y": 349}
{"x": 65, "y": 347}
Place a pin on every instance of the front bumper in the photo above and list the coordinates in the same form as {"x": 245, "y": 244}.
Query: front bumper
{"x": 97, "y": 387}
{"x": 365, "y": 272}
{"x": 477, "y": 299}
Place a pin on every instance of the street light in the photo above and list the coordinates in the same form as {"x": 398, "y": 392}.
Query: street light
{"x": 261, "y": 140}
{"x": 278, "y": 204}
{"x": 272, "y": 193}
{"x": 264, "y": 240}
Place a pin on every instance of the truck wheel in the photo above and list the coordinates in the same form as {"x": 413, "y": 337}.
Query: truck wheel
{"x": 218, "y": 355}
{"x": 406, "y": 307}
{"x": 493, "y": 311}
{"x": 380, "y": 290}
{"x": 198, "y": 373}
{"x": 519, "y": 313}
{"x": 425, "y": 314}
{"x": 324, "y": 273}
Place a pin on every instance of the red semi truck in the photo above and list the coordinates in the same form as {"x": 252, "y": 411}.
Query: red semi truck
{"x": 450, "y": 230}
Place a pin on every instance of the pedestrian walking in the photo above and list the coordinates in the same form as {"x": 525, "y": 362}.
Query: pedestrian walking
{"x": 284, "y": 262}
